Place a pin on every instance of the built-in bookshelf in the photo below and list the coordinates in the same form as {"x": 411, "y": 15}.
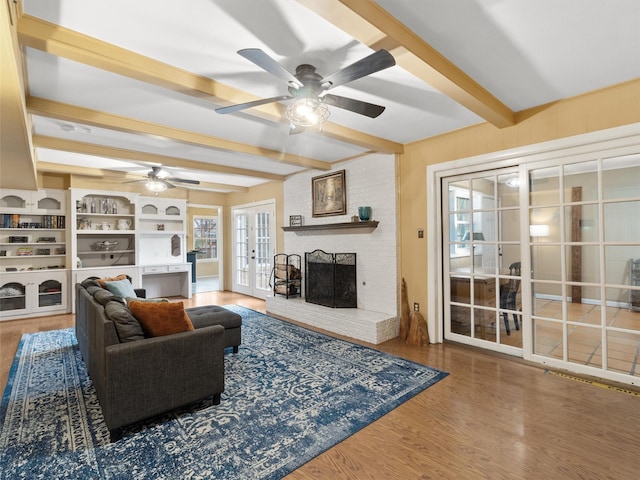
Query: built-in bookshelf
{"x": 33, "y": 252}
{"x": 50, "y": 239}
{"x": 103, "y": 228}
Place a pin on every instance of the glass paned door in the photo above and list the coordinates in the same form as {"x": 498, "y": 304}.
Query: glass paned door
{"x": 241, "y": 253}
{"x": 542, "y": 259}
{"x": 585, "y": 265}
{"x": 254, "y": 247}
{"x": 482, "y": 294}
{"x": 263, "y": 253}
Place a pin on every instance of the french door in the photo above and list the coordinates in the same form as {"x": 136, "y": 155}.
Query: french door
{"x": 481, "y": 239}
{"x": 542, "y": 261}
{"x": 253, "y": 248}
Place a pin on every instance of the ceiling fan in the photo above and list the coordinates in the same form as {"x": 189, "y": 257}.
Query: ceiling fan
{"x": 158, "y": 180}
{"x": 309, "y": 89}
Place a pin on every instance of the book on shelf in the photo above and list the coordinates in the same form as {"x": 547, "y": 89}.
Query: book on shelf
{"x": 12, "y": 220}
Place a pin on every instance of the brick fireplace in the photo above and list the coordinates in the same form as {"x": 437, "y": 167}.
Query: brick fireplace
{"x": 370, "y": 180}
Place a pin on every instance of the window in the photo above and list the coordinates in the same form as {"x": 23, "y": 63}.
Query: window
{"x": 205, "y": 237}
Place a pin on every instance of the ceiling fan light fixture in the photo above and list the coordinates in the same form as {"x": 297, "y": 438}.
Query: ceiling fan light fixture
{"x": 307, "y": 112}
{"x": 155, "y": 186}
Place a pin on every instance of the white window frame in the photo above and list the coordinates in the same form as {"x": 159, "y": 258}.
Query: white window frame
{"x": 195, "y": 238}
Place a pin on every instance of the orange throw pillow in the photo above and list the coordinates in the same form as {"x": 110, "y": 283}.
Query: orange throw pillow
{"x": 102, "y": 281}
{"x": 158, "y": 319}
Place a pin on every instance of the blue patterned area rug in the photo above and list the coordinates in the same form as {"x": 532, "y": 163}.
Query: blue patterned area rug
{"x": 290, "y": 394}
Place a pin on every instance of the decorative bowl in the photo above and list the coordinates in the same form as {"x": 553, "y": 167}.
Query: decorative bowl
{"x": 104, "y": 246}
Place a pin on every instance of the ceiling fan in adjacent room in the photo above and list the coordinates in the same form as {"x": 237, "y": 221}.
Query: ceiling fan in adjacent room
{"x": 309, "y": 89}
{"x": 158, "y": 180}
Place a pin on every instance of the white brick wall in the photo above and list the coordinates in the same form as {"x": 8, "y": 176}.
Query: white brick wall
{"x": 372, "y": 327}
{"x": 370, "y": 181}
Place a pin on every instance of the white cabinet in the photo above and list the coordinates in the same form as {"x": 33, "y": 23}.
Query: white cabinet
{"x": 154, "y": 207}
{"x": 161, "y": 215}
{"x": 46, "y": 201}
{"x": 167, "y": 280}
{"x": 36, "y": 293}
{"x": 161, "y": 231}
{"x": 103, "y": 228}
{"x": 33, "y": 230}
{"x": 51, "y": 239}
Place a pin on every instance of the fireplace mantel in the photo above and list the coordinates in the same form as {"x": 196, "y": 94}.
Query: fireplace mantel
{"x": 359, "y": 227}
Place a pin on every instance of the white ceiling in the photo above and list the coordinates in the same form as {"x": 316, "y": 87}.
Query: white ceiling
{"x": 525, "y": 53}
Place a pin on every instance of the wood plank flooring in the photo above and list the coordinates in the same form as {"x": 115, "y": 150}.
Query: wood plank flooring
{"x": 492, "y": 418}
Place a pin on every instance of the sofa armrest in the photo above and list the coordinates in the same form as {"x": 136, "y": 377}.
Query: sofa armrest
{"x": 154, "y": 375}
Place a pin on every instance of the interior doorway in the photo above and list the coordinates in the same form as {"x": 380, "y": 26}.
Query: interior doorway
{"x": 207, "y": 248}
{"x": 253, "y": 248}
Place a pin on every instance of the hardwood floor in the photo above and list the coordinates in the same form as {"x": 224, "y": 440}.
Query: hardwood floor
{"x": 492, "y": 418}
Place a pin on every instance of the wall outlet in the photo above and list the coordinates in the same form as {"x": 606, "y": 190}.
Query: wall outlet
{"x": 420, "y": 233}
{"x": 416, "y": 307}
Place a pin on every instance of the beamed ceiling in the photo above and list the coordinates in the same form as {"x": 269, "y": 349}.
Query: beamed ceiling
{"x": 113, "y": 87}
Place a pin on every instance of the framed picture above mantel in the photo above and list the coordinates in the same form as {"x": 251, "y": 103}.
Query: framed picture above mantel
{"x": 329, "y": 194}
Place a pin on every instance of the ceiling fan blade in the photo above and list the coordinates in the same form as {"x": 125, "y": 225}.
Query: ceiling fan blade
{"x": 358, "y": 106}
{"x": 268, "y": 64}
{"x": 183, "y": 180}
{"x": 169, "y": 185}
{"x": 255, "y": 103}
{"x": 373, "y": 63}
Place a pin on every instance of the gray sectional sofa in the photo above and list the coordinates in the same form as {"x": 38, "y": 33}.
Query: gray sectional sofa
{"x": 136, "y": 377}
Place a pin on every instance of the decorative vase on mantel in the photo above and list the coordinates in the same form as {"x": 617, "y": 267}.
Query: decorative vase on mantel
{"x": 364, "y": 213}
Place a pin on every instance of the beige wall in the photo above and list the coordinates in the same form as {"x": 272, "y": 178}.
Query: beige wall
{"x": 611, "y": 107}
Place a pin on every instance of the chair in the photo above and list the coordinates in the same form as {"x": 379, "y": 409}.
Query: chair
{"x": 508, "y": 294}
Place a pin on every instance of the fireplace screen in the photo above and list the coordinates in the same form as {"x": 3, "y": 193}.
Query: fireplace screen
{"x": 330, "y": 279}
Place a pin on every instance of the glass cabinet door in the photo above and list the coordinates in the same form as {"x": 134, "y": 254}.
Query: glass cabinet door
{"x": 49, "y": 293}
{"x": 13, "y": 297}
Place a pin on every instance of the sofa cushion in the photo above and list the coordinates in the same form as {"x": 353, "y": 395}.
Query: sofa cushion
{"x": 102, "y": 296}
{"x": 90, "y": 282}
{"x": 138, "y": 299}
{"x": 122, "y": 288}
{"x": 102, "y": 281}
{"x": 127, "y": 327}
{"x": 92, "y": 289}
{"x": 161, "y": 318}
{"x": 208, "y": 315}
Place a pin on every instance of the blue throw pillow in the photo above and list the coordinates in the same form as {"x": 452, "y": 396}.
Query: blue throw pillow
{"x": 122, "y": 288}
